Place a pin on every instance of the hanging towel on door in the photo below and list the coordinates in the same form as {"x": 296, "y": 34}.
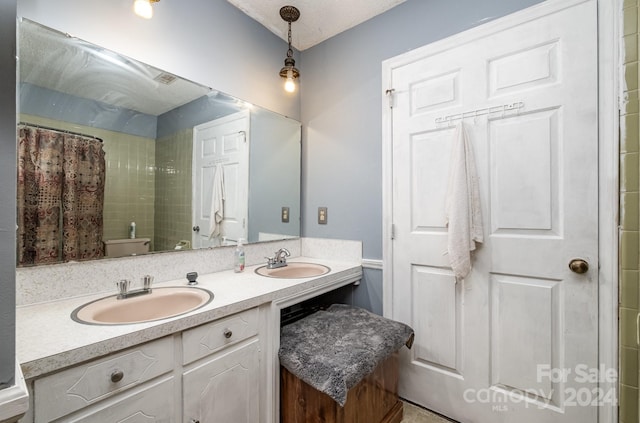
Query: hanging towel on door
{"x": 217, "y": 203}
{"x": 464, "y": 216}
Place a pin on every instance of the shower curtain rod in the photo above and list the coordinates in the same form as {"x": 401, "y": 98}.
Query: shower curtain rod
{"x": 64, "y": 131}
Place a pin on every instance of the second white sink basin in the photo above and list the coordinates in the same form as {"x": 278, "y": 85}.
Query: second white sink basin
{"x": 161, "y": 303}
{"x": 294, "y": 270}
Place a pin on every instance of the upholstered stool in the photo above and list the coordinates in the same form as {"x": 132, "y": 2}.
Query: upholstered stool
{"x": 340, "y": 365}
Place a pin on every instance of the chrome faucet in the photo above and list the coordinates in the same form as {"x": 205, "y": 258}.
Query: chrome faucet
{"x": 279, "y": 259}
{"x": 124, "y": 284}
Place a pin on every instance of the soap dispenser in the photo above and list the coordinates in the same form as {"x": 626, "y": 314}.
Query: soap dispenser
{"x": 239, "y": 257}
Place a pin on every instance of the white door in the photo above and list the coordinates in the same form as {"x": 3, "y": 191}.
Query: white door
{"x": 517, "y": 341}
{"x": 222, "y": 144}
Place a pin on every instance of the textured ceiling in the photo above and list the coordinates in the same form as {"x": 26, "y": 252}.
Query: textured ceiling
{"x": 319, "y": 19}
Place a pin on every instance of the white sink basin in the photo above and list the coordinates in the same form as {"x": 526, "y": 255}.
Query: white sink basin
{"x": 161, "y": 303}
{"x": 294, "y": 270}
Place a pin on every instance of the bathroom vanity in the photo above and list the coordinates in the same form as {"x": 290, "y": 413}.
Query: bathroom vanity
{"x": 218, "y": 375}
{"x": 217, "y": 363}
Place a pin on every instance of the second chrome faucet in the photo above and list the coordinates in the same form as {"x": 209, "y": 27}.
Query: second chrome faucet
{"x": 279, "y": 259}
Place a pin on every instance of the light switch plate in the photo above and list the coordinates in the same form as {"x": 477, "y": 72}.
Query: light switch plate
{"x": 322, "y": 215}
{"x": 285, "y": 215}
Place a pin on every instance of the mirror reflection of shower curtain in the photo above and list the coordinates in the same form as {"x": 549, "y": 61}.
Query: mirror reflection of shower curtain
{"x": 60, "y": 197}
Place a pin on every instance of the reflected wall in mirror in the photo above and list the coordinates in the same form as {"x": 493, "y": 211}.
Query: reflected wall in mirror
{"x": 176, "y": 154}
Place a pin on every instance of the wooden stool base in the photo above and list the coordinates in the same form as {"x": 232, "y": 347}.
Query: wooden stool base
{"x": 373, "y": 400}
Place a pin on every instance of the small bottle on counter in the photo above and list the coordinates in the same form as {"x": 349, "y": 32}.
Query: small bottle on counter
{"x": 239, "y": 257}
{"x": 132, "y": 230}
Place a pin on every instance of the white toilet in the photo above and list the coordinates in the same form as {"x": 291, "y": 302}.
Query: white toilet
{"x": 126, "y": 247}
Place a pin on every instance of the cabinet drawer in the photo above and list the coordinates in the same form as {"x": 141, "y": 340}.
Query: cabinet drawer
{"x": 211, "y": 337}
{"x": 153, "y": 404}
{"x": 61, "y": 393}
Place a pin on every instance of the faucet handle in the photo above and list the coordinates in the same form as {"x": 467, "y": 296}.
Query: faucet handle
{"x": 147, "y": 280}
{"x": 123, "y": 286}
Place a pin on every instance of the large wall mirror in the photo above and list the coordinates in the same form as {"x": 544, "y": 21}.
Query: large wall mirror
{"x": 105, "y": 141}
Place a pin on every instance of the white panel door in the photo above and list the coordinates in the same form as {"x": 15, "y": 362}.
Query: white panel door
{"x": 513, "y": 341}
{"x": 221, "y": 144}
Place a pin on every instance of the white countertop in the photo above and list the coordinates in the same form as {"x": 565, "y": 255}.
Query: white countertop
{"x": 47, "y": 339}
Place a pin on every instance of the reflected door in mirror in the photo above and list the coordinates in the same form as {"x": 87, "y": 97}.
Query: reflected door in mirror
{"x": 221, "y": 180}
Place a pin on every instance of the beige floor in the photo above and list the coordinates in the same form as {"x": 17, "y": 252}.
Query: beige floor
{"x": 413, "y": 414}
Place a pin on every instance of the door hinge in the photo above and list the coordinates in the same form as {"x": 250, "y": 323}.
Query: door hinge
{"x": 389, "y": 94}
{"x": 393, "y": 231}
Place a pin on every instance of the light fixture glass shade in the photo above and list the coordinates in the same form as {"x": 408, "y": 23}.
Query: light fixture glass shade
{"x": 289, "y": 73}
{"x": 290, "y": 85}
{"x": 143, "y": 8}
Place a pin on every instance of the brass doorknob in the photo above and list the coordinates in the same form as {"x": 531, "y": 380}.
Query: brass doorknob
{"x": 579, "y": 266}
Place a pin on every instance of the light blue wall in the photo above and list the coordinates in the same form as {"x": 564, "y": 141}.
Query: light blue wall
{"x": 201, "y": 110}
{"x": 55, "y": 105}
{"x": 7, "y": 191}
{"x": 274, "y": 166}
{"x": 341, "y": 86}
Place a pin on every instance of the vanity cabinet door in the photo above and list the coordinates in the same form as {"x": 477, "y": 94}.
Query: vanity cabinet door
{"x": 225, "y": 388}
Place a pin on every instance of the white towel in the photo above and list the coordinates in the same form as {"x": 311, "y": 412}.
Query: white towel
{"x": 464, "y": 216}
{"x": 217, "y": 203}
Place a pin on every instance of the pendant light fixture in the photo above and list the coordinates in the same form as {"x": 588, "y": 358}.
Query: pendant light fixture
{"x": 289, "y": 71}
{"x": 143, "y": 8}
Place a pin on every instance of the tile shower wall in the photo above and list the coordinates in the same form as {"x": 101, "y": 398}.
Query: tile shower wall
{"x": 173, "y": 189}
{"x": 130, "y": 187}
{"x": 629, "y": 218}
{"x": 130, "y": 181}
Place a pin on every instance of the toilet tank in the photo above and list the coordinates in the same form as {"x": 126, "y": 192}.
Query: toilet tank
{"x": 126, "y": 247}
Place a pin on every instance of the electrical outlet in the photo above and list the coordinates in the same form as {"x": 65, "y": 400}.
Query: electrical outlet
{"x": 285, "y": 215}
{"x": 322, "y": 215}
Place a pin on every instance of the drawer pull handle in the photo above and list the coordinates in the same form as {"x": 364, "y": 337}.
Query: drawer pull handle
{"x": 228, "y": 333}
{"x": 195, "y": 421}
{"x": 117, "y": 376}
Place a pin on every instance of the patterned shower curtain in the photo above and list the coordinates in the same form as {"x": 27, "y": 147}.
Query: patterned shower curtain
{"x": 60, "y": 197}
